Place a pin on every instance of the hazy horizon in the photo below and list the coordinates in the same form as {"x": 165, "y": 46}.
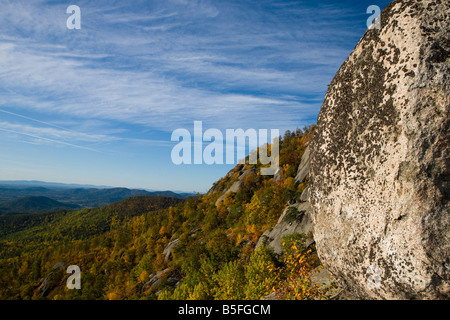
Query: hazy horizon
{"x": 48, "y": 184}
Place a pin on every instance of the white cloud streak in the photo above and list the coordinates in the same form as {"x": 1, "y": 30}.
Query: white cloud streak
{"x": 183, "y": 61}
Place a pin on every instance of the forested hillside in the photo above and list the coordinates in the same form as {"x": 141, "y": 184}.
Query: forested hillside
{"x": 33, "y": 204}
{"x": 166, "y": 248}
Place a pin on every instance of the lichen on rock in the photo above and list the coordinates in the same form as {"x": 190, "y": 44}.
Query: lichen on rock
{"x": 379, "y": 180}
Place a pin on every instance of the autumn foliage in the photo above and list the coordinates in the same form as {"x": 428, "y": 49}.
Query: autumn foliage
{"x": 120, "y": 248}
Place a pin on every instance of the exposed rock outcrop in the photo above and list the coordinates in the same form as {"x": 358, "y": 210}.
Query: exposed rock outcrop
{"x": 304, "y": 167}
{"x": 167, "y": 276}
{"x": 236, "y": 186}
{"x": 167, "y": 252}
{"x": 296, "y": 218}
{"x": 50, "y": 280}
{"x": 379, "y": 180}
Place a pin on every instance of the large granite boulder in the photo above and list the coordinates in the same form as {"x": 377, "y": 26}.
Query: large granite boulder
{"x": 379, "y": 180}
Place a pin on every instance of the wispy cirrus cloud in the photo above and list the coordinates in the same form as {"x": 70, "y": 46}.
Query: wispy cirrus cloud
{"x": 68, "y": 87}
{"x": 214, "y": 71}
{"x": 43, "y": 135}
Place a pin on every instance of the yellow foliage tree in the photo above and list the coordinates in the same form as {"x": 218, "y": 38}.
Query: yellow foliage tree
{"x": 230, "y": 282}
{"x": 260, "y": 279}
{"x": 163, "y": 231}
{"x": 114, "y": 296}
{"x": 144, "y": 276}
{"x": 297, "y": 283}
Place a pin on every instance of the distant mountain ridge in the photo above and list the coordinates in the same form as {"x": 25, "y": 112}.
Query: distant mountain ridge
{"x": 62, "y": 196}
{"x": 48, "y": 185}
{"x": 59, "y": 185}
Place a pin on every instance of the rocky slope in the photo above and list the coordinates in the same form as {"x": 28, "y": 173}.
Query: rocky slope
{"x": 296, "y": 218}
{"x": 379, "y": 180}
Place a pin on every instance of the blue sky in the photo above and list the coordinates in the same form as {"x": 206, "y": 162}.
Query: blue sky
{"x": 98, "y": 105}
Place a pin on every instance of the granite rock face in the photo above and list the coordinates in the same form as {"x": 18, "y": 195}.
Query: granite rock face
{"x": 304, "y": 167}
{"x": 167, "y": 252}
{"x": 234, "y": 188}
{"x": 379, "y": 180}
{"x": 296, "y": 218}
